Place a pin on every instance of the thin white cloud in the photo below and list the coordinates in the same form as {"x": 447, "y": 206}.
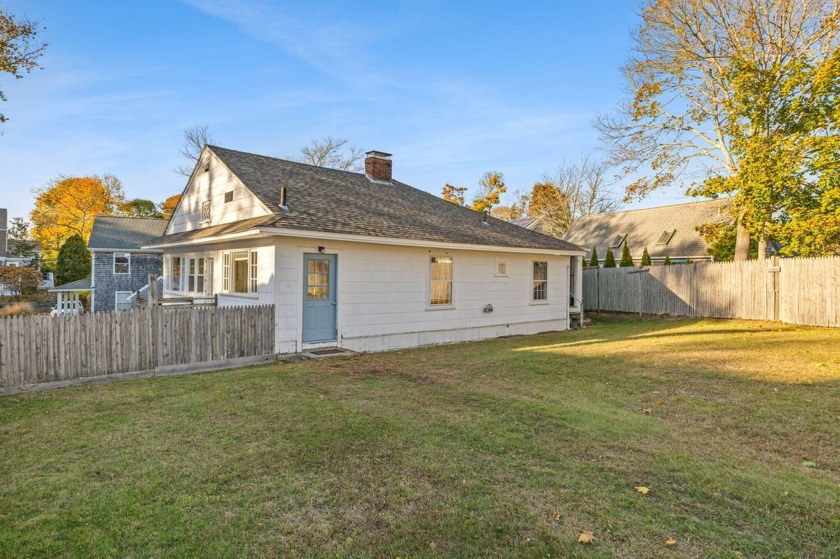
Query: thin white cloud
{"x": 323, "y": 36}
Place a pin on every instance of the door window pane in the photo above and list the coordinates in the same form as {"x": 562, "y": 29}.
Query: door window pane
{"x": 318, "y": 279}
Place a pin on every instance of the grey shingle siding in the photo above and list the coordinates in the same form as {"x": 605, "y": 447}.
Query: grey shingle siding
{"x": 4, "y": 218}
{"x": 107, "y": 283}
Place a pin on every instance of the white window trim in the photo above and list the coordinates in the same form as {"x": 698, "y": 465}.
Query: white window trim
{"x": 188, "y": 259}
{"x": 228, "y": 279}
{"x": 439, "y": 307}
{"x": 533, "y": 279}
{"x": 116, "y": 298}
{"x": 114, "y": 264}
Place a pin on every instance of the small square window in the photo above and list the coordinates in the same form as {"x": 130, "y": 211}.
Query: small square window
{"x": 228, "y": 196}
{"x": 205, "y": 211}
{"x": 501, "y": 267}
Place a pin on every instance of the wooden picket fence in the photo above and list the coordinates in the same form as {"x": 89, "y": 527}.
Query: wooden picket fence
{"x": 44, "y": 349}
{"x": 793, "y": 290}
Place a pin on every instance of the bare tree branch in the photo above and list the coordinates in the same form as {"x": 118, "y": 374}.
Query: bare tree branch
{"x": 195, "y": 138}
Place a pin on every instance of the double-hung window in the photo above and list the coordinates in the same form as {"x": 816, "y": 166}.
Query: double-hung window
{"x": 440, "y": 284}
{"x": 239, "y": 271}
{"x": 122, "y": 263}
{"x": 195, "y": 275}
{"x": 540, "y": 291}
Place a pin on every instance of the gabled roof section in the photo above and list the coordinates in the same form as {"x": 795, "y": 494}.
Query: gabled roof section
{"x": 346, "y": 203}
{"x": 78, "y": 285}
{"x": 127, "y": 233}
{"x": 650, "y": 227}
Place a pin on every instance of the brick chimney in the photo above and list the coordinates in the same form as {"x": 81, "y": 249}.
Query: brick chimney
{"x": 378, "y": 165}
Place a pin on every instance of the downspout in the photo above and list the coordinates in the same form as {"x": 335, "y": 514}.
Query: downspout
{"x": 92, "y": 281}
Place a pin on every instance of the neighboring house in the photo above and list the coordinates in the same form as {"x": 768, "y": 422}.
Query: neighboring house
{"x": 7, "y": 257}
{"x": 664, "y": 231}
{"x": 358, "y": 259}
{"x": 533, "y": 223}
{"x": 119, "y": 264}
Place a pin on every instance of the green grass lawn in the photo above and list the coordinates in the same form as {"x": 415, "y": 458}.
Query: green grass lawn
{"x": 504, "y": 448}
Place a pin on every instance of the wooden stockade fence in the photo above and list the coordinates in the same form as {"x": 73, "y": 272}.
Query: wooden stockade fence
{"x": 793, "y": 290}
{"x": 44, "y": 349}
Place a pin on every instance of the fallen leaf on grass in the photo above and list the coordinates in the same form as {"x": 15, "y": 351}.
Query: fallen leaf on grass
{"x": 642, "y": 489}
{"x": 586, "y": 537}
{"x": 647, "y": 411}
{"x": 556, "y": 515}
{"x": 670, "y": 542}
{"x": 538, "y": 395}
{"x": 660, "y": 402}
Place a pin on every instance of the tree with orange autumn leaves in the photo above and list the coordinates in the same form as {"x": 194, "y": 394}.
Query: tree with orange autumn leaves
{"x": 68, "y": 206}
{"x": 168, "y": 206}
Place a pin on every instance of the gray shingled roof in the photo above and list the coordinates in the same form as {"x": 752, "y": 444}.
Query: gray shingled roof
{"x": 124, "y": 232}
{"x": 78, "y": 285}
{"x": 532, "y": 223}
{"x": 644, "y": 228}
{"x": 344, "y": 202}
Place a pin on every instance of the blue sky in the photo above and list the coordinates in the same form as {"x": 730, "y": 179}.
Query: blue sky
{"x": 451, "y": 89}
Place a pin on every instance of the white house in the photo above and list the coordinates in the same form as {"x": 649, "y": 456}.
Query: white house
{"x": 360, "y": 260}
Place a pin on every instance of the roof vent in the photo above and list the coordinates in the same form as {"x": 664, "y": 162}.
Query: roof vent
{"x": 283, "y": 205}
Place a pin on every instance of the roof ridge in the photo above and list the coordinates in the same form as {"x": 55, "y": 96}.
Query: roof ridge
{"x": 657, "y": 207}
{"x": 133, "y": 217}
{"x": 289, "y": 161}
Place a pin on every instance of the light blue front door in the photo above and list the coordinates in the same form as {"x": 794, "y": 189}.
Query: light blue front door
{"x": 319, "y": 297}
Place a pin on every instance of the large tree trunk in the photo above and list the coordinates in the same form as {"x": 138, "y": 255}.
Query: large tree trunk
{"x": 742, "y": 242}
{"x": 762, "y": 248}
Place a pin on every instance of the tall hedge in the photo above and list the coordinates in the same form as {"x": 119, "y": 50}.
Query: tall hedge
{"x": 609, "y": 259}
{"x": 593, "y": 262}
{"x": 73, "y": 261}
{"x": 645, "y": 258}
{"x": 626, "y": 259}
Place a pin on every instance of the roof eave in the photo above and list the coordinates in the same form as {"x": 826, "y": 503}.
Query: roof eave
{"x": 421, "y": 243}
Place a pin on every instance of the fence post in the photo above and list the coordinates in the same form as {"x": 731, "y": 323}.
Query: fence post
{"x": 773, "y": 271}
{"x": 155, "y": 320}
